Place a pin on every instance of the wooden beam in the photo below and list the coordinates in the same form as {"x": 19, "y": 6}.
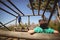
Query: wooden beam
{"x": 7, "y": 12}
{"x": 15, "y": 6}
{"x": 46, "y": 8}
{"x": 55, "y": 4}
{"x": 39, "y": 7}
{"x": 4, "y": 26}
{"x": 9, "y": 7}
{"x": 25, "y": 35}
{"x": 31, "y": 6}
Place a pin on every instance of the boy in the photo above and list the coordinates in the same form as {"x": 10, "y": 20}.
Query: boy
{"x": 43, "y": 28}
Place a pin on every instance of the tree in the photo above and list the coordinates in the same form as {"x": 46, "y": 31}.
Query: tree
{"x": 43, "y": 5}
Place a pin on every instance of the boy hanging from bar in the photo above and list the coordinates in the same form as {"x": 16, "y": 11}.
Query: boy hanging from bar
{"x": 43, "y": 28}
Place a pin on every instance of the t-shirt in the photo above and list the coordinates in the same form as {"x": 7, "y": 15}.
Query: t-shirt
{"x": 40, "y": 30}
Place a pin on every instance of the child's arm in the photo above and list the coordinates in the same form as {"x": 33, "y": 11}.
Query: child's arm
{"x": 31, "y": 31}
{"x": 55, "y": 31}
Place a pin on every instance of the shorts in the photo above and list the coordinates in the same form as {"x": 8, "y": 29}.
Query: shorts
{"x": 40, "y": 30}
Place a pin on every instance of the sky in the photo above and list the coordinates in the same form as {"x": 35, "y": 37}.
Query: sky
{"x": 21, "y": 5}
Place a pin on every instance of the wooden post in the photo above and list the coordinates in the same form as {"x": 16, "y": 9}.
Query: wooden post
{"x": 29, "y": 20}
{"x": 16, "y": 21}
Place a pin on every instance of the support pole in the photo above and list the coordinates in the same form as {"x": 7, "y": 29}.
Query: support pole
{"x": 16, "y": 21}
{"x": 28, "y": 20}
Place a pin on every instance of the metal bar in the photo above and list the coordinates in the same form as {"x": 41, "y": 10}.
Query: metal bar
{"x": 31, "y": 15}
{"x": 4, "y": 26}
{"x": 55, "y": 4}
{"x": 9, "y": 22}
{"x": 39, "y": 7}
{"x": 7, "y": 12}
{"x": 46, "y": 8}
{"x": 31, "y": 6}
{"x": 15, "y": 6}
{"x": 9, "y": 7}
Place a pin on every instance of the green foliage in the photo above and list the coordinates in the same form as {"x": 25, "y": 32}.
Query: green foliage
{"x": 43, "y": 5}
{"x": 59, "y": 27}
{"x": 3, "y": 29}
{"x": 54, "y": 25}
{"x": 11, "y": 27}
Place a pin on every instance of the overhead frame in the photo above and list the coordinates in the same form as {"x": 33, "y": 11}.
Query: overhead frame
{"x": 15, "y": 6}
{"x": 9, "y": 7}
{"x": 7, "y": 12}
{"x": 31, "y": 8}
